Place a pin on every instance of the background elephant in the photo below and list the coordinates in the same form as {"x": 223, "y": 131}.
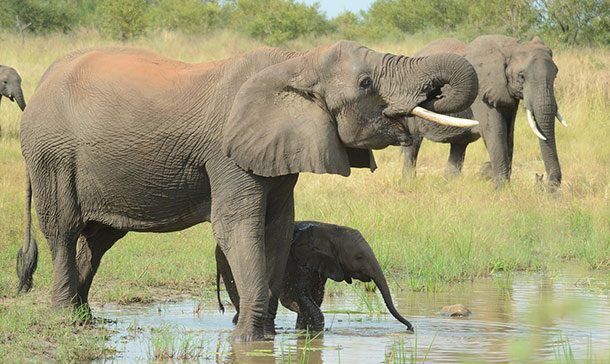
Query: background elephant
{"x": 318, "y": 251}
{"x": 509, "y": 71}
{"x": 10, "y": 86}
{"x": 119, "y": 140}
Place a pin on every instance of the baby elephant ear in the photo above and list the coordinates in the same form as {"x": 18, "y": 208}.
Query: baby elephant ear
{"x": 312, "y": 250}
{"x": 279, "y": 123}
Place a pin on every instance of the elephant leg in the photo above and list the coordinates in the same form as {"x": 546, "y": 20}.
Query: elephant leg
{"x": 410, "y": 162}
{"x": 61, "y": 224}
{"x": 511, "y": 143}
{"x": 94, "y": 242}
{"x": 310, "y": 316}
{"x": 456, "y": 159}
{"x": 278, "y": 237}
{"x": 495, "y": 136}
{"x": 229, "y": 281}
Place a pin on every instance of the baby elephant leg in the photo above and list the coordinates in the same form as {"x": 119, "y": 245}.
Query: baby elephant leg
{"x": 310, "y": 316}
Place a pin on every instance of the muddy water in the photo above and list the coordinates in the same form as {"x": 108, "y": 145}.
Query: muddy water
{"x": 519, "y": 318}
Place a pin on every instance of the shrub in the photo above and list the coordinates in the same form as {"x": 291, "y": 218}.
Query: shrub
{"x": 42, "y": 15}
{"x": 278, "y": 21}
{"x": 190, "y": 16}
{"x": 122, "y": 19}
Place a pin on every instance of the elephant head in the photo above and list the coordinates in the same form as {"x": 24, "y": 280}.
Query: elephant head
{"x": 341, "y": 254}
{"x": 510, "y": 71}
{"x": 10, "y": 86}
{"x": 324, "y": 110}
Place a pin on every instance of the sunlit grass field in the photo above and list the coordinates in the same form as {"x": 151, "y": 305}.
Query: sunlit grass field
{"x": 430, "y": 230}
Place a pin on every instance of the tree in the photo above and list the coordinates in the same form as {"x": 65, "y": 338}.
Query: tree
{"x": 122, "y": 19}
{"x": 575, "y": 21}
{"x": 278, "y": 21}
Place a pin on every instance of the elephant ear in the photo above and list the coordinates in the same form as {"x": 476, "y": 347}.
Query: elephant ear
{"x": 490, "y": 64}
{"x": 311, "y": 249}
{"x": 279, "y": 124}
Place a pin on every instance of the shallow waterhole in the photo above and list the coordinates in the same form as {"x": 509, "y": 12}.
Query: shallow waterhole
{"x": 514, "y": 318}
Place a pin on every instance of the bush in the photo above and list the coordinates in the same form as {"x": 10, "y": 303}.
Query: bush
{"x": 516, "y": 18}
{"x": 278, "y": 21}
{"x": 122, "y": 19}
{"x": 42, "y": 15}
{"x": 190, "y": 16}
{"x": 576, "y": 21}
{"x": 410, "y": 16}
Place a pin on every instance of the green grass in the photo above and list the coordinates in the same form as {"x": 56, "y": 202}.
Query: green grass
{"x": 428, "y": 232}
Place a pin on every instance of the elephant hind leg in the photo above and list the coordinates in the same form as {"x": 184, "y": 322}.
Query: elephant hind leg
{"x": 94, "y": 242}
{"x": 456, "y": 159}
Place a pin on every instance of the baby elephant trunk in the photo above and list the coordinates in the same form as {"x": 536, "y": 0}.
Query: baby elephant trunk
{"x": 382, "y": 285}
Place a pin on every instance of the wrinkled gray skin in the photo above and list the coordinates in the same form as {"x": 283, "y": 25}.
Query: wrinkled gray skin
{"x": 119, "y": 140}
{"x": 509, "y": 72}
{"x": 318, "y": 252}
{"x": 10, "y": 86}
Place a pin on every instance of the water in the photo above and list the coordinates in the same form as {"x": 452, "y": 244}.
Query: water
{"x": 519, "y": 318}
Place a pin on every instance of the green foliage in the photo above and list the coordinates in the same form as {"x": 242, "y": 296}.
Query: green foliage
{"x": 190, "y": 16}
{"x": 278, "y": 21}
{"x": 576, "y": 21}
{"x": 42, "y": 15}
{"x": 409, "y": 16}
{"x": 122, "y": 19}
{"x": 516, "y": 18}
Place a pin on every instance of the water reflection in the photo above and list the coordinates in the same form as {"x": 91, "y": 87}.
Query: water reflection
{"x": 525, "y": 317}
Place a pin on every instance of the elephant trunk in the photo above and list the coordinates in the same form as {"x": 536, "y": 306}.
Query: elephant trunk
{"x": 18, "y": 95}
{"x": 542, "y": 110}
{"x": 382, "y": 285}
{"x": 450, "y": 85}
{"x": 453, "y": 82}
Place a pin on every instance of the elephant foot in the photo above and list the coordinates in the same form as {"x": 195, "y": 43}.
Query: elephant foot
{"x": 248, "y": 335}
{"x": 82, "y": 315}
{"x": 486, "y": 172}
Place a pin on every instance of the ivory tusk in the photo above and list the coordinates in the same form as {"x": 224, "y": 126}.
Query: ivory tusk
{"x": 561, "y": 119}
{"x": 443, "y": 119}
{"x": 532, "y": 122}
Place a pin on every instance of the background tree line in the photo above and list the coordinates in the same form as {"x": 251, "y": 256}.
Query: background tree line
{"x": 567, "y": 22}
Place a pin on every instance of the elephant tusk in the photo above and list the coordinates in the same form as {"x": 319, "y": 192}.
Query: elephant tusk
{"x": 532, "y": 122}
{"x": 561, "y": 119}
{"x": 443, "y": 119}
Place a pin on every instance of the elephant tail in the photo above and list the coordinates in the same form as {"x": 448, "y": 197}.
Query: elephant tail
{"x": 27, "y": 257}
{"x": 221, "y": 307}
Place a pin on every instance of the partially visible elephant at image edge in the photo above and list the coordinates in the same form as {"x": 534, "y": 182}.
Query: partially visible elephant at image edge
{"x": 509, "y": 71}
{"x": 319, "y": 251}
{"x": 119, "y": 139}
{"x": 10, "y": 86}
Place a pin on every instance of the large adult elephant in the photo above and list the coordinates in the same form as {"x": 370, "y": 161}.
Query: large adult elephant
{"x": 10, "y": 86}
{"x": 509, "y": 71}
{"x": 119, "y": 140}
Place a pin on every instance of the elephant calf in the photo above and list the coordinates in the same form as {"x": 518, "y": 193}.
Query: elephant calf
{"x": 10, "y": 86}
{"x": 318, "y": 251}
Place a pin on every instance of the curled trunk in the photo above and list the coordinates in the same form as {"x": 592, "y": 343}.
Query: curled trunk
{"x": 451, "y": 83}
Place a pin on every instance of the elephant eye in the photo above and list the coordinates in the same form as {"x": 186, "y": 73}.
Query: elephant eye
{"x": 365, "y": 82}
{"x": 520, "y": 76}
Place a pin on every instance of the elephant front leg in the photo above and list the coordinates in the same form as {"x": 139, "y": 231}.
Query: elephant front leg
{"x": 278, "y": 236}
{"x": 238, "y": 225}
{"x": 456, "y": 159}
{"x": 495, "y": 135}
{"x": 310, "y": 316}
{"x": 411, "y": 152}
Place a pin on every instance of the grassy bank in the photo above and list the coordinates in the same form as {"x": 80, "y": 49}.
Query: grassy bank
{"x": 431, "y": 230}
